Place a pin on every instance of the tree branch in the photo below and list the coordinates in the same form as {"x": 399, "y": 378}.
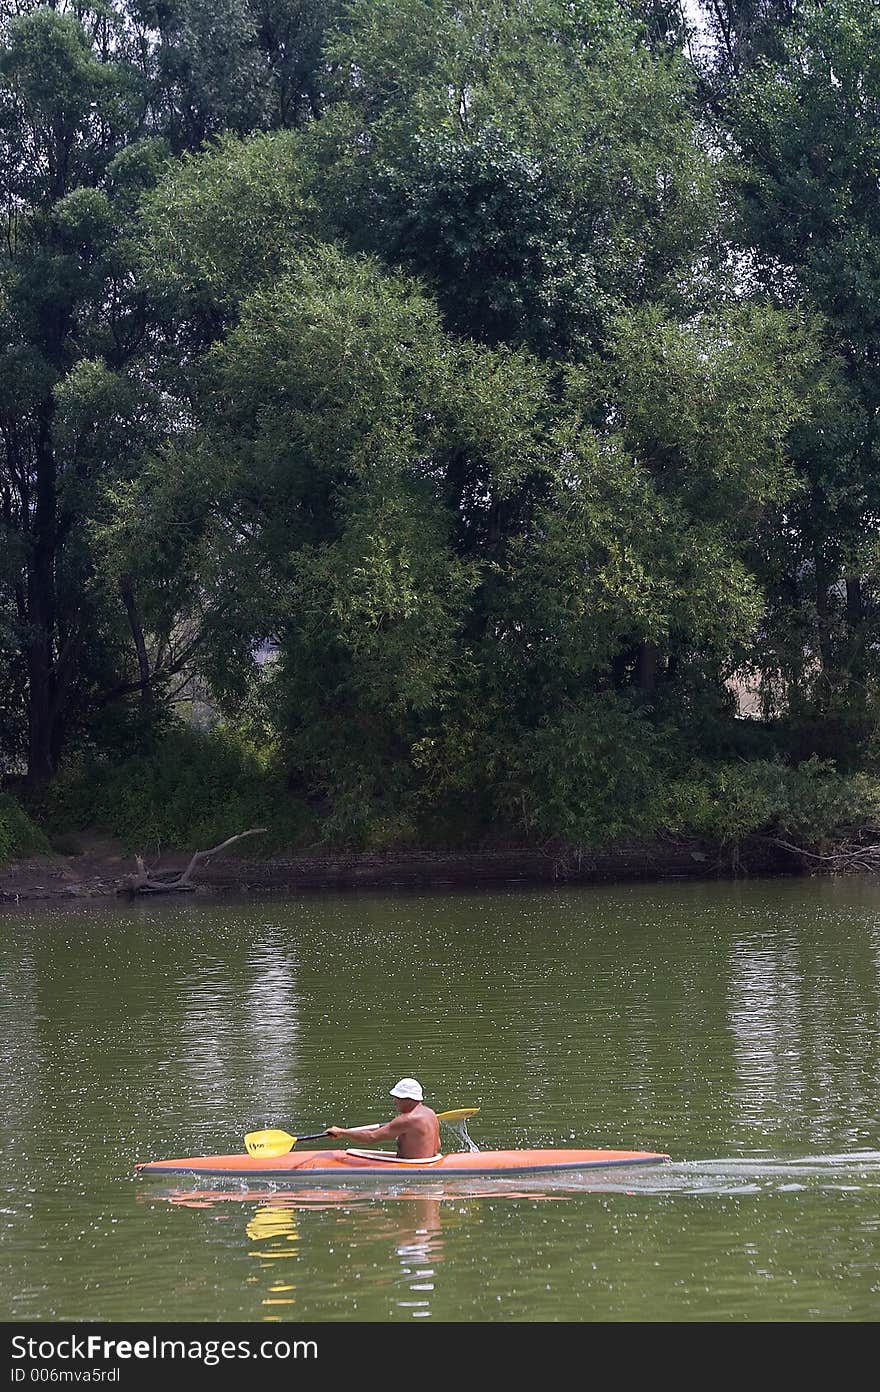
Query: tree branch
{"x": 148, "y": 881}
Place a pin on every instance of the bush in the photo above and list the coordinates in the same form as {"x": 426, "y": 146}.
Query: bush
{"x": 607, "y": 772}
{"x": 595, "y": 775}
{"x": 811, "y": 803}
{"x": 18, "y": 835}
{"x": 191, "y": 790}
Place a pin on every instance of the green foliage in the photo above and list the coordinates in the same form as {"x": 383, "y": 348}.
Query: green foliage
{"x": 443, "y": 218}
{"x": 595, "y": 774}
{"x": 235, "y": 65}
{"x": 810, "y": 804}
{"x": 803, "y": 172}
{"x": 222, "y": 224}
{"x": 18, "y": 834}
{"x": 187, "y": 791}
{"x": 513, "y": 383}
{"x": 715, "y": 400}
{"x": 538, "y": 164}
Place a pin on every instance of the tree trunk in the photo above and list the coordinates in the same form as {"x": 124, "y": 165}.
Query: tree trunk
{"x": 824, "y": 618}
{"x": 646, "y": 666}
{"x": 41, "y": 610}
{"x": 856, "y": 663}
{"x": 126, "y": 589}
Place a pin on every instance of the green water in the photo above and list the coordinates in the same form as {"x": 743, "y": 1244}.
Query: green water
{"x": 734, "y": 1025}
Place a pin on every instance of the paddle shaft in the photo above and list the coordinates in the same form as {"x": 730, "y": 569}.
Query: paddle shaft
{"x": 374, "y": 1125}
{"x": 272, "y": 1142}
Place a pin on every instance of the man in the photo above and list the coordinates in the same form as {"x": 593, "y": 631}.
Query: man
{"x": 415, "y": 1128}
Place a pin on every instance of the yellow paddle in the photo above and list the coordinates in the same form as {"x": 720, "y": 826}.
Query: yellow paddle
{"x": 271, "y": 1143}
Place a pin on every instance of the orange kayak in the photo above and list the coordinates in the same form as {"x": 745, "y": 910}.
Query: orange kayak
{"x": 305, "y": 1165}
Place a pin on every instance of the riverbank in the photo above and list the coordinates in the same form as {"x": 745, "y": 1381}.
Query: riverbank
{"x": 102, "y": 870}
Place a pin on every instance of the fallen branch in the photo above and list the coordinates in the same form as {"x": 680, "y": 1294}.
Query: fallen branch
{"x": 849, "y": 856}
{"x": 164, "y": 882}
{"x": 799, "y": 850}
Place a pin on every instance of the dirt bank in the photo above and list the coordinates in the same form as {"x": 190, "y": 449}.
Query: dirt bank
{"x": 102, "y": 869}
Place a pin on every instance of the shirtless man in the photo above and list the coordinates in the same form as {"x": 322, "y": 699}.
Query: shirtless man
{"x": 415, "y": 1128}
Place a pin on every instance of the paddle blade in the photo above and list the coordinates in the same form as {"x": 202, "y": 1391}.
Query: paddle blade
{"x": 458, "y": 1114}
{"x": 269, "y": 1144}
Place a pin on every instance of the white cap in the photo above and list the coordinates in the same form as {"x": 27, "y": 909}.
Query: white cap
{"x": 408, "y": 1087}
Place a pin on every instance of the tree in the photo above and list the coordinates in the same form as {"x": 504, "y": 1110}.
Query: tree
{"x": 807, "y": 167}
{"x": 91, "y": 96}
{"x": 537, "y": 163}
{"x": 746, "y": 32}
{"x": 234, "y": 65}
{"x": 69, "y": 106}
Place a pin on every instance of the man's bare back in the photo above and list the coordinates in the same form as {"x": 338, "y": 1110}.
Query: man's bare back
{"x": 415, "y": 1129}
{"x": 417, "y": 1132}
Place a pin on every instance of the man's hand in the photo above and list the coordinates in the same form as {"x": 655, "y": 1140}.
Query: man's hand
{"x": 335, "y": 1131}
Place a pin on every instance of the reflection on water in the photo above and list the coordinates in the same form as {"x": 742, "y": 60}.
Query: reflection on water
{"x": 407, "y": 1224}
{"x": 399, "y": 1234}
{"x": 804, "y": 1024}
{"x": 420, "y": 1253}
{"x": 734, "y": 1026}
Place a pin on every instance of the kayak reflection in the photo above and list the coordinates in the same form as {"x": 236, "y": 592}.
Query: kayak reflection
{"x": 313, "y": 1198}
{"x": 403, "y": 1224}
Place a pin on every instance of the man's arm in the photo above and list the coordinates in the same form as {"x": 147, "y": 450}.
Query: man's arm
{"x": 382, "y": 1131}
